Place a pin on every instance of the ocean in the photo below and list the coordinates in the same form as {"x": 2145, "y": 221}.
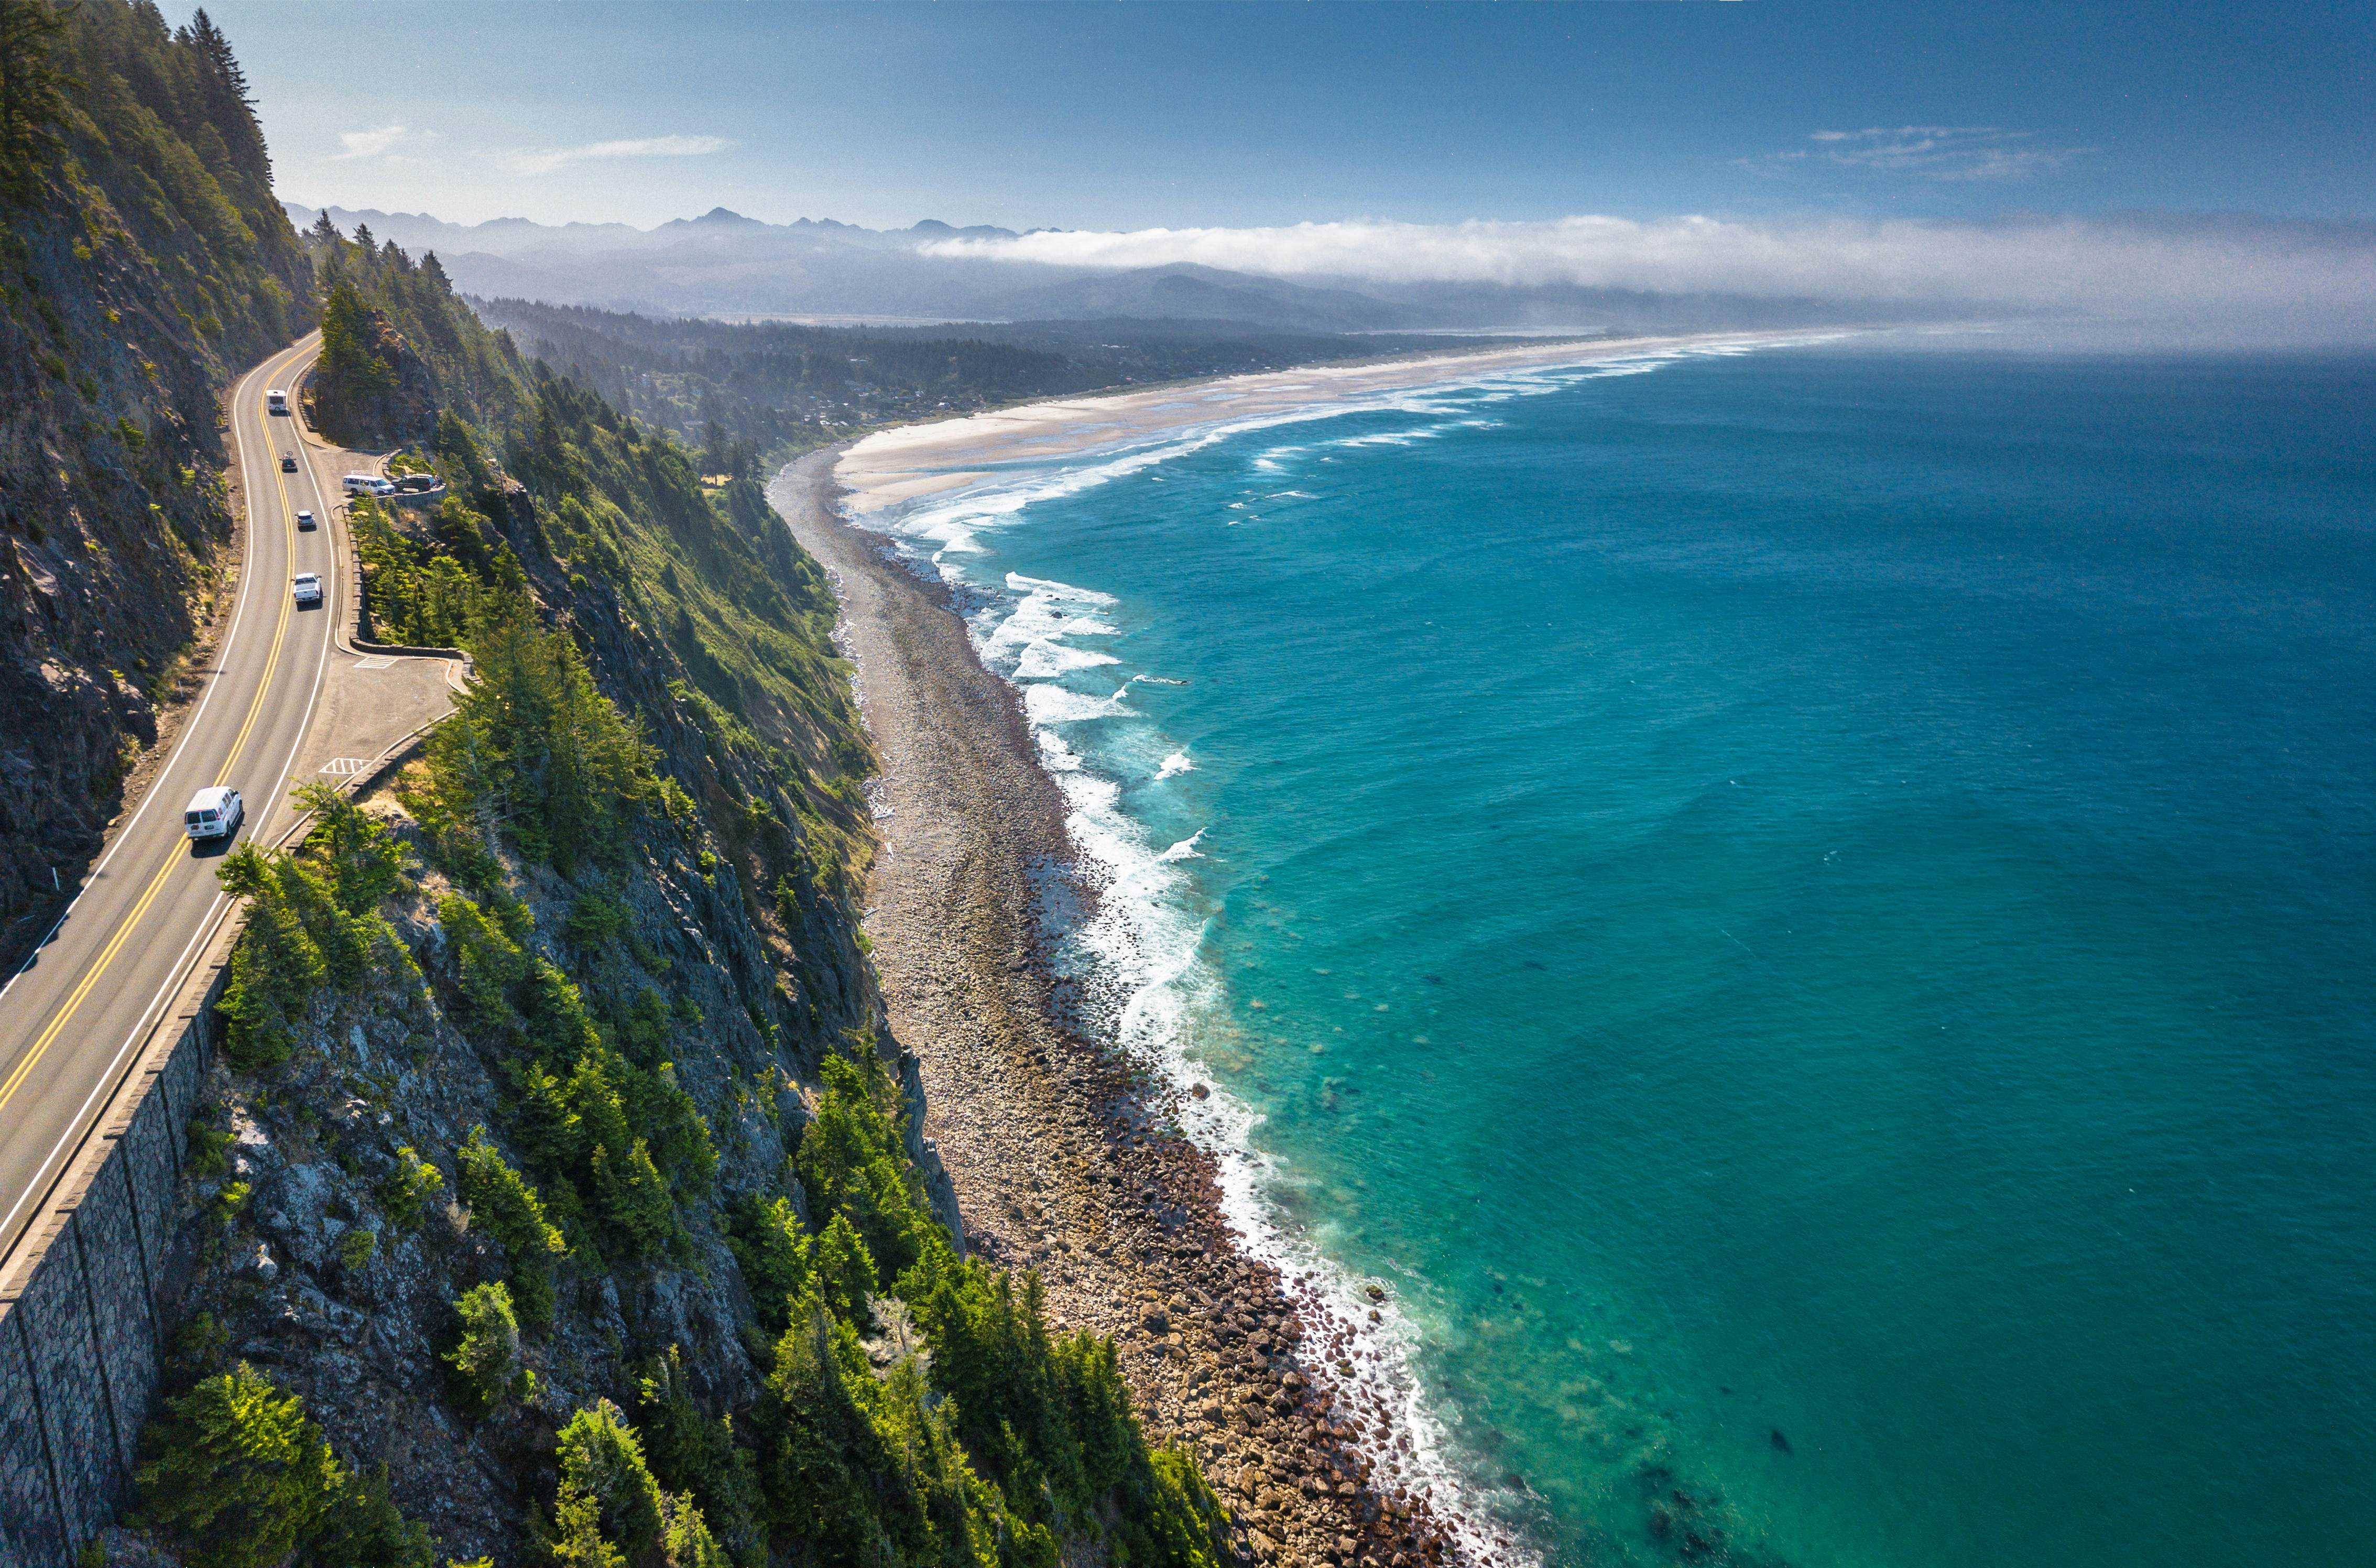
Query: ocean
{"x": 1807, "y": 918}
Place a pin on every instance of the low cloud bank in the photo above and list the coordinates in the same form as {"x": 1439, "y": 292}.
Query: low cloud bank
{"x": 2211, "y": 277}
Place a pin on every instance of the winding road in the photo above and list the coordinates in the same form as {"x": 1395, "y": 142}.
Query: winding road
{"x": 72, "y": 1019}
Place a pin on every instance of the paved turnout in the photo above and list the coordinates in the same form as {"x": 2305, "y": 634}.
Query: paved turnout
{"x": 72, "y": 1019}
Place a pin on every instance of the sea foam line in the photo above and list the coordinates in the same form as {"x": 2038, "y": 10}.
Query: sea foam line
{"x": 1144, "y": 934}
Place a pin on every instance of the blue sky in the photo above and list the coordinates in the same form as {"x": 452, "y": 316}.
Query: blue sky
{"x": 1124, "y": 116}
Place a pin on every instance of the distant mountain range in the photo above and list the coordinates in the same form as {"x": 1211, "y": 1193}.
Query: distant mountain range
{"x": 722, "y": 264}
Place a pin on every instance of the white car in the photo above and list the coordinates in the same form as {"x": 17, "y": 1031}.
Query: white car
{"x": 214, "y": 813}
{"x": 307, "y": 586}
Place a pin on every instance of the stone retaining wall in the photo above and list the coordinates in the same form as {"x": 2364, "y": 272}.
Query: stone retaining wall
{"x": 80, "y": 1337}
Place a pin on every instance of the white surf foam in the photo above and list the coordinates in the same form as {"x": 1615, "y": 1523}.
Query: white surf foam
{"x": 1142, "y": 936}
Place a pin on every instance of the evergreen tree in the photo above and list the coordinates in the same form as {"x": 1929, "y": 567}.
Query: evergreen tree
{"x": 236, "y": 1475}
{"x": 33, "y": 89}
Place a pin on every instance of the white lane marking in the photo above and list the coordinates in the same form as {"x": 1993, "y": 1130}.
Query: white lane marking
{"x": 375, "y": 662}
{"x": 41, "y": 1183}
{"x": 344, "y": 766}
{"x": 189, "y": 731}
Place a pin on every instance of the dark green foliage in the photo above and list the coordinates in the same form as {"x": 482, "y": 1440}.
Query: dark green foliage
{"x": 485, "y": 1357}
{"x": 365, "y": 862}
{"x": 852, "y": 1162}
{"x": 404, "y": 1196}
{"x": 33, "y": 93}
{"x": 311, "y": 925}
{"x": 353, "y": 354}
{"x": 596, "y": 919}
{"x": 363, "y": 1528}
{"x": 235, "y": 1475}
{"x": 844, "y": 1275}
{"x": 694, "y": 1454}
{"x": 603, "y": 1473}
{"x": 420, "y": 595}
{"x": 771, "y": 1247}
{"x": 534, "y": 752}
{"x": 616, "y": 1141}
{"x": 508, "y": 1208}
{"x": 398, "y": 351}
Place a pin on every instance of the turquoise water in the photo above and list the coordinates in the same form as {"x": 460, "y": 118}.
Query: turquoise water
{"x": 1812, "y": 914}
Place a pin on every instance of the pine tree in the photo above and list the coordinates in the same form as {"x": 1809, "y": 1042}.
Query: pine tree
{"x": 214, "y": 49}
{"x": 33, "y": 89}
{"x": 844, "y": 1274}
{"x": 236, "y": 1475}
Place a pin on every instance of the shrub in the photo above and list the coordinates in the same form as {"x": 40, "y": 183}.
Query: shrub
{"x": 845, "y": 1273}
{"x": 506, "y": 1209}
{"x": 771, "y": 1248}
{"x": 486, "y": 1358}
{"x": 405, "y": 1195}
{"x": 235, "y": 1475}
{"x": 356, "y": 1249}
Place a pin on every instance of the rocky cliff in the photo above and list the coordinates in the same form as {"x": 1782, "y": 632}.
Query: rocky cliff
{"x": 143, "y": 260}
{"x": 559, "y": 1193}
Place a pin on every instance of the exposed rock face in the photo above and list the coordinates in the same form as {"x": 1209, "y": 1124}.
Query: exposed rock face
{"x": 133, "y": 282}
{"x": 373, "y": 390}
{"x": 269, "y": 1247}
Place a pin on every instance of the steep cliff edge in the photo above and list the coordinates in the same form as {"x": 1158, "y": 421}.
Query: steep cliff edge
{"x": 558, "y": 1195}
{"x": 143, "y": 260}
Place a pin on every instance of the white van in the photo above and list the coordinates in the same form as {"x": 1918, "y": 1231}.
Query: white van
{"x": 214, "y": 813}
{"x": 367, "y": 484}
{"x": 276, "y": 400}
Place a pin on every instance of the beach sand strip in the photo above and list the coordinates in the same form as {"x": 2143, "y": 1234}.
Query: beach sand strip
{"x": 911, "y": 461}
{"x": 1062, "y": 1157}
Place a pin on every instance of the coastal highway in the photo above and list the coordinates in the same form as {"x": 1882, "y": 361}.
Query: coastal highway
{"x": 72, "y": 1019}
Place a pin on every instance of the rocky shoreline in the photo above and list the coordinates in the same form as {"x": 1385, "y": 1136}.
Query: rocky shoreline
{"x": 1062, "y": 1156}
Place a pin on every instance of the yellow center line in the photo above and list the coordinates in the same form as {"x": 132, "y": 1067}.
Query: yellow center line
{"x": 175, "y": 857}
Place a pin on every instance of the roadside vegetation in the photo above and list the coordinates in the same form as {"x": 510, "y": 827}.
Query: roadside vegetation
{"x": 652, "y": 686}
{"x": 144, "y": 261}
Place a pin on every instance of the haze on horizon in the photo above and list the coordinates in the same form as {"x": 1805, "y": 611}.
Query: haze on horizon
{"x": 2200, "y": 174}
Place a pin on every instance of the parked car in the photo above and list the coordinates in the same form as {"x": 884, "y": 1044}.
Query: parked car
{"x": 304, "y": 522}
{"x": 367, "y": 484}
{"x": 410, "y": 483}
{"x": 213, "y": 813}
{"x": 307, "y": 586}
{"x": 288, "y": 464}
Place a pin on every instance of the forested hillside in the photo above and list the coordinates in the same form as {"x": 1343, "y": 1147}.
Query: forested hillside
{"x": 397, "y": 347}
{"x": 781, "y": 387}
{"x": 557, "y": 1196}
{"x": 143, "y": 261}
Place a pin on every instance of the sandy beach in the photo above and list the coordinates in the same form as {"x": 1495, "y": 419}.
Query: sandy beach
{"x": 1063, "y": 1159}
{"x": 892, "y": 466}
